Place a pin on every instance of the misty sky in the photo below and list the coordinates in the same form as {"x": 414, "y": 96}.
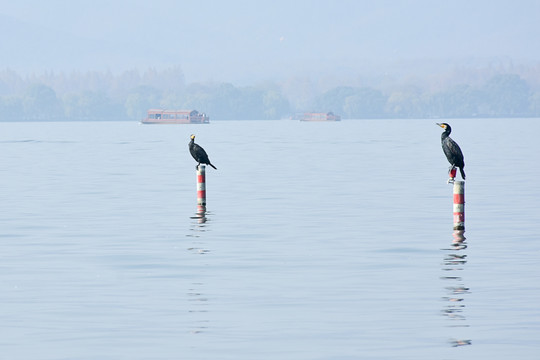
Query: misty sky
{"x": 243, "y": 41}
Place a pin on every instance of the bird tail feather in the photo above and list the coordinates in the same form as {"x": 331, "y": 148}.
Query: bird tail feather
{"x": 462, "y": 173}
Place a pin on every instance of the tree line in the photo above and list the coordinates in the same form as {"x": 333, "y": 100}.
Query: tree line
{"x": 104, "y": 96}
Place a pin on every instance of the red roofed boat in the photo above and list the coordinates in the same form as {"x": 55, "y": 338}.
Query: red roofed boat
{"x": 329, "y": 116}
{"x": 160, "y": 116}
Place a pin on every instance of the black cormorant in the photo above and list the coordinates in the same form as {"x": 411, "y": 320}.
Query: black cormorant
{"x": 451, "y": 149}
{"x": 199, "y": 154}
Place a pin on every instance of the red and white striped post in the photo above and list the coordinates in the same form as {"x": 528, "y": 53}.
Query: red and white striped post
{"x": 459, "y": 205}
{"x": 201, "y": 188}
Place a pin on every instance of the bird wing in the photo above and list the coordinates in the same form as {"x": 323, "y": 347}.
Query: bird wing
{"x": 453, "y": 152}
{"x": 199, "y": 154}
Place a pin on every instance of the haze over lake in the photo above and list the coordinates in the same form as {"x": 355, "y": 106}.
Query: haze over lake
{"x": 243, "y": 42}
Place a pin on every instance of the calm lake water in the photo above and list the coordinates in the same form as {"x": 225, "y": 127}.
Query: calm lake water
{"x": 321, "y": 241}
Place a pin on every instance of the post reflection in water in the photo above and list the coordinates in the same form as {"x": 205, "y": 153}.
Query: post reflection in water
{"x": 454, "y": 262}
{"x": 200, "y": 215}
{"x": 196, "y": 297}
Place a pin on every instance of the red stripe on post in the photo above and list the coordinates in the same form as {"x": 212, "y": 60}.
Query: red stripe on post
{"x": 459, "y": 198}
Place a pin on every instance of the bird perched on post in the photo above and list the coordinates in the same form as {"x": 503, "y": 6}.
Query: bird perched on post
{"x": 199, "y": 154}
{"x": 451, "y": 150}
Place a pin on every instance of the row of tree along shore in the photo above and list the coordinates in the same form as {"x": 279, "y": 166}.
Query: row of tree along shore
{"x": 103, "y": 96}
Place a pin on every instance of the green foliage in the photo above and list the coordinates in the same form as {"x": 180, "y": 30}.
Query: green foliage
{"x": 92, "y": 106}
{"x": 404, "y": 104}
{"x": 364, "y": 103}
{"x": 140, "y": 100}
{"x": 458, "y": 101}
{"x": 534, "y": 104}
{"x": 353, "y": 103}
{"x": 103, "y": 96}
{"x": 226, "y": 102}
{"x": 275, "y": 105}
{"x": 10, "y": 108}
{"x": 334, "y": 99}
{"x": 40, "y": 103}
{"x": 506, "y": 95}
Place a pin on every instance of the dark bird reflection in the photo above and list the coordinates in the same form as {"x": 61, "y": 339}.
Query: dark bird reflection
{"x": 456, "y": 291}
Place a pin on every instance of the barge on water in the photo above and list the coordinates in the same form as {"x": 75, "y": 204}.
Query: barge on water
{"x": 329, "y": 116}
{"x": 160, "y": 116}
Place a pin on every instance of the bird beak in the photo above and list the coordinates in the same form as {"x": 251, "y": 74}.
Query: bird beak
{"x": 441, "y": 125}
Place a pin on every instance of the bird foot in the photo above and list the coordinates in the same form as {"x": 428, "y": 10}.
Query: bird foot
{"x": 450, "y": 181}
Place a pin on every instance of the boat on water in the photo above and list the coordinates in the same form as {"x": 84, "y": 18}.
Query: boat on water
{"x": 160, "y": 116}
{"x": 329, "y": 116}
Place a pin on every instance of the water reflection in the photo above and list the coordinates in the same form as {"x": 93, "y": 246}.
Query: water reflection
{"x": 197, "y": 308}
{"x": 200, "y": 215}
{"x": 199, "y": 226}
{"x": 196, "y": 295}
{"x": 454, "y": 262}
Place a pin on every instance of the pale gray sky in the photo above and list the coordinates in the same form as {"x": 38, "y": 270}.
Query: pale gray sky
{"x": 242, "y": 41}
